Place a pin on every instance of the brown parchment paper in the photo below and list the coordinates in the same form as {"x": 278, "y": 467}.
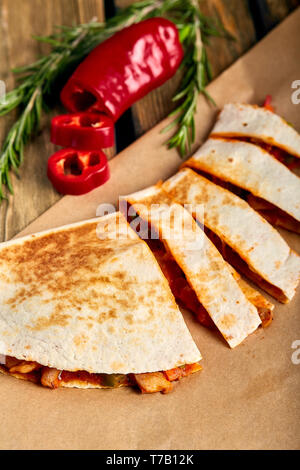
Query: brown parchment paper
{"x": 245, "y": 398}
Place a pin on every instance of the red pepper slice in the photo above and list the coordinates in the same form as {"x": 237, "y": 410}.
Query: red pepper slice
{"x": 77, "y": 172}
{"x": 124, "y": 68}
{"x": 268, "y": 103}
{"x": 83, "y": 131}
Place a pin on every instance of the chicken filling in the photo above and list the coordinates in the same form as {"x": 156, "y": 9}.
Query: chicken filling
{"x": 235, "y": 260}
{"x": 53, "y": 378}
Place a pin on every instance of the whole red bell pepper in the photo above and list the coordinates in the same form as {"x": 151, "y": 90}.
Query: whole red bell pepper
{"x": 77, "y": 172}
{"x": 124, "y": 68}
{"x": 83, "y": 131}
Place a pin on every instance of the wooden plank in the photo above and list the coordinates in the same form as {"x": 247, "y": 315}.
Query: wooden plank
{"x": 279, "y": 9}
{"x": 236, "y": 17}
{"x": 268, "y": 13}
{"x": 33, "y": 192}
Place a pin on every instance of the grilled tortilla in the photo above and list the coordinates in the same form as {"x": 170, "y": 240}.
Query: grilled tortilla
{"x": 264, "y": 307}
{"x": 259, "y": 123}
{"x": 246, "y": 240}
{"x": 252, "y": 168}
{"x": 200, "y": 279}
{"x": 87, "y": 306}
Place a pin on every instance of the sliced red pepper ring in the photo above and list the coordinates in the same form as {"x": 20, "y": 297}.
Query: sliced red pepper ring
{"x": 77, "y": 172}
{"x": 83, "y": 131}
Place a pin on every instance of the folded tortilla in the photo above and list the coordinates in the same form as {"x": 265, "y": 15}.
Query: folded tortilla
{"x": 205, "y": 270}
{"x": 86, "y": 305}
{"x": 250, "y": 243}
{"x": 245, "y": 120}
{"x": 250, "y": 167}
{"x": 264, "y": 306}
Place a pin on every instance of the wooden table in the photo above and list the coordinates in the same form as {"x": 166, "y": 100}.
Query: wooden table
{"x": 248, "y": 21}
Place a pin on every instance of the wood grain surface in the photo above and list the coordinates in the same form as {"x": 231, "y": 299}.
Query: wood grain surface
{"x": 20, "y": 19}
{"x": 276, "y": 10}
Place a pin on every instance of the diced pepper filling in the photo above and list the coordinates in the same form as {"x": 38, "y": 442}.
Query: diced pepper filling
{"x": 281, "y": 155}
{"x": 53, "y": 378}
{"x": 235, "y": 260}
{"x": 268, "y": 103}
{"x": 271, "y": 213}
{"x": 263, "y": 306}
{"x": 183, "y": 371}
{"x": 184, "y": 293}
{"x": 179, "y": 285}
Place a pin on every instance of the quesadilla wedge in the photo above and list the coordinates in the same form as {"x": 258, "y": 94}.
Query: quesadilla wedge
{"x": 199, "y": 277}
{"x": 264, "y": 307}
{"x": 246, "y": 240}
{"x": 263, "y": 127}
{"x": 87, "y": 306}
{"x": 272, "y": 189}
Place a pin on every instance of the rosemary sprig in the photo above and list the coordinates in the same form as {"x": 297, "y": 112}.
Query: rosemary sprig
{"x": 194, "y": 34}
{"x": 37, "y": 82}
